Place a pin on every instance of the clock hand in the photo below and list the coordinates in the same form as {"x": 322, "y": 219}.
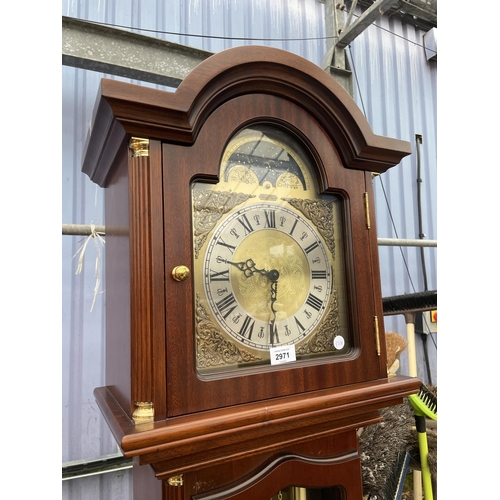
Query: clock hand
{"x": 273, "y": 275}
{"x": 248, "y": 267}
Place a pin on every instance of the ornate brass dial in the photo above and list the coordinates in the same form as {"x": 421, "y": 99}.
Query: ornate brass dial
{"x": 267, "y": 276}
{"x": 266, "y": 271}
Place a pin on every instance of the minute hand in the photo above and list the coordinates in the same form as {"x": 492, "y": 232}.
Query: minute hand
{"x": 273, "y": 331}
{"x": 248, "y": 268}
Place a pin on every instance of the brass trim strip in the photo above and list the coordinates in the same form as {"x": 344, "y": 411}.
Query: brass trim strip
{"x": 367, "y": 210}
{"x": 377, "y": 334}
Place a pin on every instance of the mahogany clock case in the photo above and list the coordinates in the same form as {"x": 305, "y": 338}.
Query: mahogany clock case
{"x": 151, "y": 318}
{"x": 202, "y": 160}
{"x": 246, "y": 431}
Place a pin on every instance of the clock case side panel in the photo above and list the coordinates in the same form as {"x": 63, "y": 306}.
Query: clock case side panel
{"x": 135, "y": 322}
{"x": 118, "y": 349}
{"x": 147, "y": 280}
{"x": 201, "y": 161}
{"x": 375, "y": 264}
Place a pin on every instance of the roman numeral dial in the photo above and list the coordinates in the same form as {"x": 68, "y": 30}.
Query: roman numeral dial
{"x": 267, "y": 275}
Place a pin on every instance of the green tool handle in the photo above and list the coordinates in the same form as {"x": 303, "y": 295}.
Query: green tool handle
{"x": 424, "y": 452}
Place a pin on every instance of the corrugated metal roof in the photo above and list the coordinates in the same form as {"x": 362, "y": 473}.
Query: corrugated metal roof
{"x": 395, "y": 86}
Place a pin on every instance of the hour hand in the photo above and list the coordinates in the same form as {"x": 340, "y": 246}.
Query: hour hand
{"x": 248, "y": 268}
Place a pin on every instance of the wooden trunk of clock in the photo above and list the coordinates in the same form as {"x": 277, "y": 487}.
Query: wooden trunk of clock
{"x": 239, "y": 234}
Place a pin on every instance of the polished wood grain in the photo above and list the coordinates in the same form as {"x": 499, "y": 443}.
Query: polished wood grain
{"x": 299, "y": 471}
{"x": 222, "y": 435}
{"x": 118, "y": 292}
{"x": 135, "y": 314}
{"x": 241, "y": 473}
{"x": 140, "y": 279}
{"x": 158, "y": 309}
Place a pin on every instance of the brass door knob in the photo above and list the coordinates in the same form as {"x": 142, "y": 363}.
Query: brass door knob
{"x": 180, "y": 273}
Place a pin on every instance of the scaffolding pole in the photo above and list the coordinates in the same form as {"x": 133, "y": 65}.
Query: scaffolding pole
{"x": 86, "y": 230}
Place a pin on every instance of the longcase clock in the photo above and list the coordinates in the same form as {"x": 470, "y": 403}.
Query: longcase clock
{"x": 244, "y": 324}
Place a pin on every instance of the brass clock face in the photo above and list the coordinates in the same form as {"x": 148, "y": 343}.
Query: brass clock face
{"x": 267, "y": 276}
{"x": 269, "y": 272}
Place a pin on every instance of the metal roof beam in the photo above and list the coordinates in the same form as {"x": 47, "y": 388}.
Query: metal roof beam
{"x": 335, "y": 61}
{"x": 340, "y": 34}
{"x": 378, "y": 9}
{"x": 421, "y": 9}
{"x": 420, "y": 13}
{"x": 95, "y": 47}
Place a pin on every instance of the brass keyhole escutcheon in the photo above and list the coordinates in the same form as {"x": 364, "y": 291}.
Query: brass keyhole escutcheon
{"x": 180, "y": 273}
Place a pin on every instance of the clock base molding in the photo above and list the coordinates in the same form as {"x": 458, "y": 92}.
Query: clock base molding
{"x": 222, "y": 448}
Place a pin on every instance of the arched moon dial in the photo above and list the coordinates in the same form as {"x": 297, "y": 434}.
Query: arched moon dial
{"x": 267, "y": 276}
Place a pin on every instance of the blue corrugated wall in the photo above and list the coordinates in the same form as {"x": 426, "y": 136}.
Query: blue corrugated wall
{"x": 395, "y": 87}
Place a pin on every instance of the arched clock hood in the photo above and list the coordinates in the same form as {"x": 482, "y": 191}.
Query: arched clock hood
{"x": 127, "y": 110}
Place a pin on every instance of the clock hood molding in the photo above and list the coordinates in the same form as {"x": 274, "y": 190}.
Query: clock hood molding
{"x": 123, "y": 110}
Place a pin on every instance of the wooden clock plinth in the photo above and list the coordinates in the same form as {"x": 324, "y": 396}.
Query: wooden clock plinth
{"x": 262, "y": 147}
{"x": 233, "y": 449}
